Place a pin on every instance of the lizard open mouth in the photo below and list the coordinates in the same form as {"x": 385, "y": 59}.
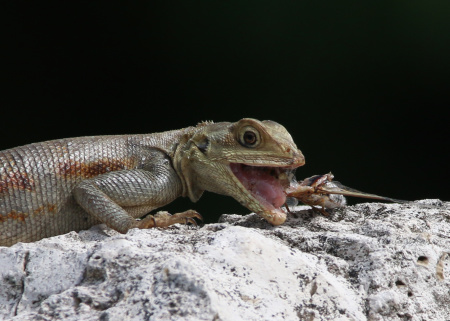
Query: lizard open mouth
{"x": 265, "y": 184}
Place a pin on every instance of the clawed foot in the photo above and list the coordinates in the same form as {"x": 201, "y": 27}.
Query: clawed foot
{"x": 321, "y": 210}
{"x": 312, "y": 201}
{"x": 164, "y": 219}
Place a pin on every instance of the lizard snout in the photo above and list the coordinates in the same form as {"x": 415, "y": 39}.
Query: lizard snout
{"x": 297, "y": 159}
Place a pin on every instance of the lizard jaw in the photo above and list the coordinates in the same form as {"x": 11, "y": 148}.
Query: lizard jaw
{"x": 264, "y": 189}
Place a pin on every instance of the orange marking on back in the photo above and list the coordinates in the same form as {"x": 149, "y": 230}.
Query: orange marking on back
{"x": 51, "y": 207}
{"x": 19, "y": 216}
{"x": 16, "y": 180}
{"x": 48, "y": 208}
{"x": 92, "y": 169}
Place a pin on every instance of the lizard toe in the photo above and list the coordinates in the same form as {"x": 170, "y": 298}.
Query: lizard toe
{"x": 164, "y": 219}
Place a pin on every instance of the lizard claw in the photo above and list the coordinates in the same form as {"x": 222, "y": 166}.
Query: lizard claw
{"x": 191, "y": 220}
{"x": 164, "y": 219}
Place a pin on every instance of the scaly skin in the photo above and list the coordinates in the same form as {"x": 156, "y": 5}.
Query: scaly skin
{"x": 58, "y": 186}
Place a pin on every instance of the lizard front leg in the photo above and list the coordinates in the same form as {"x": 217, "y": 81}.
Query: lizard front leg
{"x": 117, "y": 198}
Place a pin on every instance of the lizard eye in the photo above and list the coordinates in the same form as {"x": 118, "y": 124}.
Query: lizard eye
{"x": 249, "y": 137}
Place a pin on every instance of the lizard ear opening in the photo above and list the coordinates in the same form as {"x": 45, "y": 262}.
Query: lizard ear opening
{"x": 203, "y": 144}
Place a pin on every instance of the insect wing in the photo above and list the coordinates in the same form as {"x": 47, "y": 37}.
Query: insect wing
{"x": 336, "y": 187}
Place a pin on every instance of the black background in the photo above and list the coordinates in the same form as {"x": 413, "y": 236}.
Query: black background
{"x": 363, "y": 87}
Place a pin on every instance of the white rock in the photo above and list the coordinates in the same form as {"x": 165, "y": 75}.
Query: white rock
{"x": 370, "y": 261}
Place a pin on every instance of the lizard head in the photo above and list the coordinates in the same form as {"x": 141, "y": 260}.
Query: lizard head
{"x": 249, "y": 160}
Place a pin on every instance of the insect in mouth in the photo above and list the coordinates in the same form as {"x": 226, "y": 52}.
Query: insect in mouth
{"x": 322, "y": 191}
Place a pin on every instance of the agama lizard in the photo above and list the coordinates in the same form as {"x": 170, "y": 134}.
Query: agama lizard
{"x": 64, "y": 185}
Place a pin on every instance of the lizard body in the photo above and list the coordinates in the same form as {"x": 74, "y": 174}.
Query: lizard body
{"x": 64, "y": 185}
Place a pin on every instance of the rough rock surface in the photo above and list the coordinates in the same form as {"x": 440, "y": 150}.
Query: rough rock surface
{"x": 370, "y": 261}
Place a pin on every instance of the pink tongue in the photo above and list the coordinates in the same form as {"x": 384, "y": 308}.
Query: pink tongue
{"x": 261, "y": 184}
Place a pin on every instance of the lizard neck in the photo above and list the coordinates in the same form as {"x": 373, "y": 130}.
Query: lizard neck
{"x": 184, "y": 155}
